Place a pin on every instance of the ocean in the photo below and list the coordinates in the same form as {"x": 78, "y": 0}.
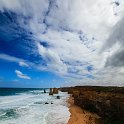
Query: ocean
{"x": 32, "y": 106}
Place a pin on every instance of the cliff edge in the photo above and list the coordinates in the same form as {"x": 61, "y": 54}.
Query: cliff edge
{"x": 107, "y": 102}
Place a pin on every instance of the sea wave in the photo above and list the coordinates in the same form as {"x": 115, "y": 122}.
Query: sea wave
{"x": 31, "y": 108}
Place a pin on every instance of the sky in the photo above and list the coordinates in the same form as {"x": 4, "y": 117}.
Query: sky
{"x": 53, "y": 43}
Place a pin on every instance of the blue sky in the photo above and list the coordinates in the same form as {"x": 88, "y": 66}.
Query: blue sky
{"x": 45, "y": 43}
{"x": 37, "y": 78}
{"x": 17, "y": 48}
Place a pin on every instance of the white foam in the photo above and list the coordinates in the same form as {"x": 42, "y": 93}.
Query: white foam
{"x": 31, "y": 113}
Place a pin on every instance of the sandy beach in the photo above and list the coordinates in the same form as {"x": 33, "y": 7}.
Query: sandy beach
{"x": 80, "y": 116}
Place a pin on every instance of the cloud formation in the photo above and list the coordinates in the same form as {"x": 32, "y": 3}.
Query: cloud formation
{"x": 21, "y": 75}
{"x": 10, "y": 58}
{"x": 69, "y": 36}
{"x": 23, "y": 64}
{"x": 116, "y": 40}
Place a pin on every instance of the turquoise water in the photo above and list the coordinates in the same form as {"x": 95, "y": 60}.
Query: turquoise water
{"x": 17, "y": 91}
{"x": 27, "y": 106}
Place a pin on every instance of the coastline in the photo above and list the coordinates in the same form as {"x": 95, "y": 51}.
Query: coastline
{"x": 106, "y": 102}
{"x": 80, "y": 116}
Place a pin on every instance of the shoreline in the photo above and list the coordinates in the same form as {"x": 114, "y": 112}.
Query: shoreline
{"x": 107, "y": 102}
{"x": 80, "y": 116}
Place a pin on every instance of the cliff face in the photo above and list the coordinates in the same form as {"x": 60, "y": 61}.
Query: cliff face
{"x": 107, "y": 102}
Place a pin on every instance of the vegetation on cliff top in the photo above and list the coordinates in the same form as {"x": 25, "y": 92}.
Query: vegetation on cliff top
{"x": 107, "y": 102}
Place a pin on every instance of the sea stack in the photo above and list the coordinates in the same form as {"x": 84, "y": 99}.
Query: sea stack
{"x": 51, "y": 91}
{"x": 55, "y": 90}
{"x": 58, "y": 97}
{"x": 44, "y": 91}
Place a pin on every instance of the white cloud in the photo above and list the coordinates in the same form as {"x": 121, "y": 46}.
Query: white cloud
{"x": 75, "y": 31}
{"x": 10, "y": 58}
{"x": 20, "y": 61}
{"x": 88, "y": 16}
{"x": 21, "y": 75}
{"x": 23, "y": 64}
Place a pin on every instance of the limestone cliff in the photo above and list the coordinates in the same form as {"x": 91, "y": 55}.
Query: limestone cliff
{"x": 107, "y": 102}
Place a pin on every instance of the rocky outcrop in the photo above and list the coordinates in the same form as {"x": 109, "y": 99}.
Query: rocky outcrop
{"x": 107, "y": 102}
{"x": 53, "y": 91}
{"x": 44, "y": 91}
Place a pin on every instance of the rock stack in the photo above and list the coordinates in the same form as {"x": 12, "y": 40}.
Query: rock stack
{"x": 55, "y": 90}
{"x": 44, "y": 91}
{"x": 51, "y": 91}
